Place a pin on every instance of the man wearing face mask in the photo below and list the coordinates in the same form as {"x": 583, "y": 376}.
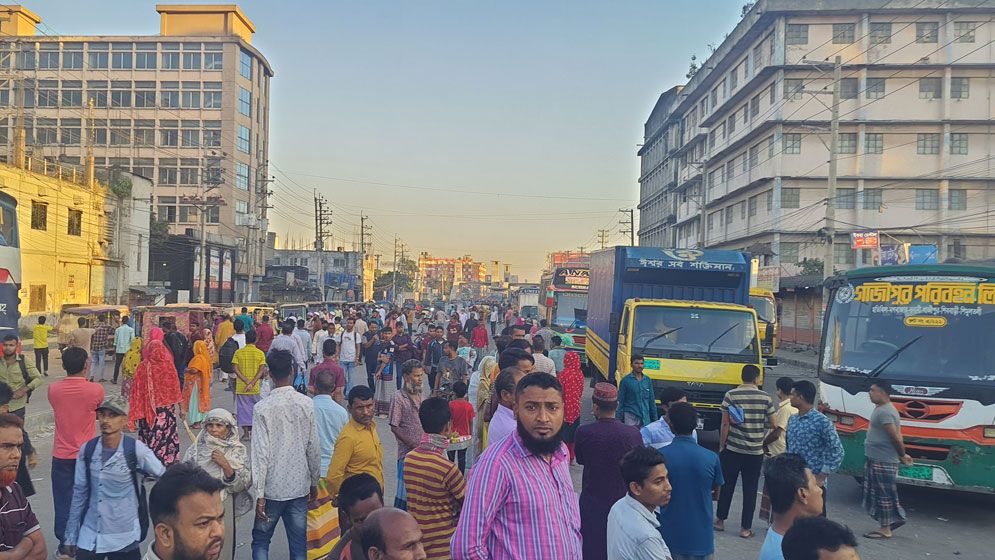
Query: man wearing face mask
{"x": 187, "y": 514}
{"x": 520, "y": 501}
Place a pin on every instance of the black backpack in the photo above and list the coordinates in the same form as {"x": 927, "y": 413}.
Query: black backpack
{"x": 136, "y": 479}
{"x": 226, "y": 354}
{"x": 24, "y": 374}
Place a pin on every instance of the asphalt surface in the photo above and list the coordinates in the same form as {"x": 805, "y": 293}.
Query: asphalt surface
{"x": 941, "y": 524}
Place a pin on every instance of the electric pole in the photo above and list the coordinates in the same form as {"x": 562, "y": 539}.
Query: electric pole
{"x": 834, "y": 138}
{"x": 393, "y": 279}
{"x": 631, "y": 225}
{"x": 322, "y": 228}
{"x": 365, "y": 232}
{"x": 602, "y": 237}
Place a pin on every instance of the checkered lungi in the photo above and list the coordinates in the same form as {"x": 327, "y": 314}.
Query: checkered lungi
{"x": 881, "y": 492}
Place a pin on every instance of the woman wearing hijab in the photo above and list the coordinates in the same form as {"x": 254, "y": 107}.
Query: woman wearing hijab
{"x": 197, "y": 385}
{"x": 488, "y": 371}
{"x": 219, "y": 452}
{"x": 155, "y": 392}
{"x": 572, "y": 379}
{"x": 155, "y": 334}
{"x": 211, "y": 348}
{"x": 128, "y": 366}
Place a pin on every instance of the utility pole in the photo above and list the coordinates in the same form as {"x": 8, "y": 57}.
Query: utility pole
{"x": 834, "y": 139}
{"x": 602, "y": 237}
{"x": 631, "y": 225}
{"x": 322, "y": 227}
{"x": 393, "y": 279}
{"x": 204, "y": 205}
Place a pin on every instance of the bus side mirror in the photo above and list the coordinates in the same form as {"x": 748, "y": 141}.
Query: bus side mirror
{"x": 613, "y": 323}
{"x": 769, "y": 331}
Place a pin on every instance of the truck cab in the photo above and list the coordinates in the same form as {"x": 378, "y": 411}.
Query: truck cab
{"x": 763, "y": 302}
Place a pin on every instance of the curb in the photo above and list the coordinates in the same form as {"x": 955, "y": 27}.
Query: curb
{"x": 796, "y": 362}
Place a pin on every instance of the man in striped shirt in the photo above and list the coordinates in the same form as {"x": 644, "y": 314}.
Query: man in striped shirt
{"x": 520, "y": 500}
{"x": 747, "y": 413}
{"x": 435, "y": 485}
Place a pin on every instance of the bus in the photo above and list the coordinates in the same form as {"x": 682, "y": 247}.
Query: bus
{"x": 563, "y": 304}
{"x": 10, "y": 265}
{"x": 927, "y": 331}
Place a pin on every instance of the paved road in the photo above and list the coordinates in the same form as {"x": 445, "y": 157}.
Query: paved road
{"x": 942, "y": 524}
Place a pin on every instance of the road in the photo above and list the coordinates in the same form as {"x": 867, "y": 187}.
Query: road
{"x": 941, "y": 524}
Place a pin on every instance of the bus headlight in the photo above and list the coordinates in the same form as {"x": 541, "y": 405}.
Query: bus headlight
{"x": 990, "y": 432}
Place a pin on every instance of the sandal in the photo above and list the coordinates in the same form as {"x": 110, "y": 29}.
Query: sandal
{"x": 876, "y": 535}
{"x": 746, "y": 534}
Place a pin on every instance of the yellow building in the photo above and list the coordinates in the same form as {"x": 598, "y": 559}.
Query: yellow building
{"x": 62, "y": 230}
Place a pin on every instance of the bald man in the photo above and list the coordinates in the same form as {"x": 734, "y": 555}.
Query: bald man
{"x": 402, "y": 541}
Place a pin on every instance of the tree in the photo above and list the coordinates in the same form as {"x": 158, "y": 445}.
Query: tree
{"x": 693, "y": 67}
{"x": 158, "y": 231}
{"x": 811, "y": 267}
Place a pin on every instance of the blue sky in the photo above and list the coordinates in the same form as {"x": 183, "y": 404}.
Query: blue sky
{"x": 539, "y": 105}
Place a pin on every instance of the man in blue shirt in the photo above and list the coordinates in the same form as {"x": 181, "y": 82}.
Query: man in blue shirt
{"x": 103, "y": 518}
{"x": 659, "y": 434}
{"x": 794, "y": 494}
{"x": 636, "y": 402}
{"x": 813, "y": 436}
{"x": 329, "y": 415}
{"x": 123, "y": 335}
{"x": 696, "y": 476}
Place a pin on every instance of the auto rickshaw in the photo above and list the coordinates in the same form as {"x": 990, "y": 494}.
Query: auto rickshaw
{"x": 183, "y": 316}
{"x": 92, "y": 314}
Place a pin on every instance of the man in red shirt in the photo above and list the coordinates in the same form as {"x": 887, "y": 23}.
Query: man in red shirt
{"x": 264, "y": 335}
{"x": 463, "y": 415}
{"x": 74, "y": 401}
{"x": 328, "y": 348}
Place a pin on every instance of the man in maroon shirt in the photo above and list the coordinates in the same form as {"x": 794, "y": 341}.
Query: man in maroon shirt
{"x": 328, "y": 348}
{"x": 265, "y": 335}
{"x": 20, "y": 534}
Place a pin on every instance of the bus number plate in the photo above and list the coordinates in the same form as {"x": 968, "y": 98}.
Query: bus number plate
{"x": 916, "y": 472}
{"x": 651, "y": 363}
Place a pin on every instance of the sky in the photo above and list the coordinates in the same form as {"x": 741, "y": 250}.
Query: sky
{"x": 500, "y": 129}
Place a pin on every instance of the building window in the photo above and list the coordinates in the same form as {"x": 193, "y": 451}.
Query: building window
{"x": 190, "y": 98}
{"x": 875, "y": 88}
{"x": 39, "y": 216}
{"x": 789, "y": 252}
{"x": 121, "y": 60}
{"x": 47, "y": 60}
{"x": 245, "y": 102}
{"x": 880, "y": 33}
{"x": 191, "y": 61}
{"x": 46, "y": 132}
{"x": 871, "y": 199}
{"x": 711, "y": 221}
{"x": 793, "y": 88}
{"x": 958, "y": 144}
{"x": 75, "y": 223}
{"x": 874, "y": 143}
{"x": 241, "y": 176}
{"x": 731, "y": 124}
{"x": 73, "y": 59}
{"x": 97, "y": 60}
{"x": 189, "y": 175}
{"x": 145, "y": 60}
{"x": 770, "y": 200}
{"x": 849, "y": 88}
{"x": 242, "y": 142}
{"x": 213, "y": 214}
{"x": 930, "y": 88}
{"x": 167, "y": 175}
{"x": 213, "y": 61}
{"x": 145, "y": 97}
{"x": 928, "y": 144}
{"x": 170, "y": 61}
{"x": 754, "y": 156}
{"x": 245, "y": 65}
{"x": 71, "y": 135}
{"x": 844, "y": 33}
{"x": 846, "y": 198}
{"x": 48, "y": 93}
{"x": 752, "y": 210}
{"x": 120, "y": 132}
{"x": 190, "y": 137}
{"x": 144, "y": 133}
{"x": 955, "y": 250}
{"x": 960, "y": 88}
{"x": 927, "y": 32}
{"x": 169, "y": 97}
{"x": 927, "y": 199}
{"x": 792, "y": 143}
{"x": 790, "y": 197}
{"x": 843, "y": 254}
{"x": 957, "y": 199}
{"x": 166, "y": 211}
{"x": 121, "y": 94}
{"x": 729, "y": 214}
{"x": 755, "y": 107}
{"x": 189, "y": 214}
{"x": 796, "y": 34}
{"x": 169, "y": 137}
{"x": 212, "y": 134}
{"x": 848, "y": 143}
{"x": 964, "y": 31}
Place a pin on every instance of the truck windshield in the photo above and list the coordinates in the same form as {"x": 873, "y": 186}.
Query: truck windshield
{"x": 913, "y": 329}
{"x": 716, "y": 331}
{"x": 567, "y": 305}
{"x": 766, "y": 311}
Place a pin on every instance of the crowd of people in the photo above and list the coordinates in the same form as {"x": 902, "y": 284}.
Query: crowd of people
{"x": 486, "y": 427}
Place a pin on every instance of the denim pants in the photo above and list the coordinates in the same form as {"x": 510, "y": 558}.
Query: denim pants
{"x": 349, "y": 368}
{"x": 63, "y": 472}
{"x": 99, "y": 361}
{"x": 294, "y": 515}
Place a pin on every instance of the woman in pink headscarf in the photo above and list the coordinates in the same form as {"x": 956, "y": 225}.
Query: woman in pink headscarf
{"x": 154, "y": 395}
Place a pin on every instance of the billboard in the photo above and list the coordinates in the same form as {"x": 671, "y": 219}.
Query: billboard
{"x": 572, "y": 277}
{"x": 227, "y": 267}
{"x": 922, "y": 254}
{"x": 864, "y": 240}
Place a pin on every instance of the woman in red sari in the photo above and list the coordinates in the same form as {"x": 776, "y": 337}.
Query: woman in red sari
{"x": 154, "y": 394}
{"x": 572, "y": 379}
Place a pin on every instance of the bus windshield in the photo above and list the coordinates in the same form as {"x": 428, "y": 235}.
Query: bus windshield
{"x": 567, "y": 305}
{"x": 8, "y": 225}
{"x": 766, "y": 311}
{"x": 913, "y": 329}
{"x": 683, "y": 329}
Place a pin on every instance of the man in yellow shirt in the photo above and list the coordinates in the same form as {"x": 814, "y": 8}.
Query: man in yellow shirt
{"x": 774, "y": 442}
{"x": 249, "y": 364}
{"x": 40, "y": 333}
{"x": 358, "y": 448}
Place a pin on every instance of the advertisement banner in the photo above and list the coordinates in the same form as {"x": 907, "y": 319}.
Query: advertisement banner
{"x": 196, "y": 268}
{"x": 922, "y": 254}
{"x": 894, "y": 254}
{"x": 572, "y": 277}
{"x": 214, "y": 270}
{"x": 864, "y": 240}
{"x": 227, "y": 271}
{"x": 769, "y": 277}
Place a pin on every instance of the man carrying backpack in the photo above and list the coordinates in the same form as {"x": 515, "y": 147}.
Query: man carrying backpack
{"x": 109, "y": 514}
{"x": 21, "y": 375}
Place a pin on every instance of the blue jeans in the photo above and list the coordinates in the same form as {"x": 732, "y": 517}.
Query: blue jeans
{"x": 99, "y": 361}
{"x": 349, "y": 368}
{"x": 294, "y": 515}
{"x": 63, "y": 471}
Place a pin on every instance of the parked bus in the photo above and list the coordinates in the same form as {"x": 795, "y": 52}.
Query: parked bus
{"x": 926, "y": 330}
{"x": 563, "y": 304}
{"x": 10, "y": 265}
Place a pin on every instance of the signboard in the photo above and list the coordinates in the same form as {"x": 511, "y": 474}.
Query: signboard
{"x": 769, "y": 277}
{"x": 864, "y": 240}
{"x": 894, "y": 254}
{"x": 196, "y": 268}
{"x": 214, "y": 270}
{"x": 572, "y": 277}
{"x": 529, "y": 291}
{"x": 922, "y": 254}
{"x": 226, "y": 271}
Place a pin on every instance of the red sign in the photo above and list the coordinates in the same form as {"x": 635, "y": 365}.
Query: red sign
{"x": 864, "y": 240}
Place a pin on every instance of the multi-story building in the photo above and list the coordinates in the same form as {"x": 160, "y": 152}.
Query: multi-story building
{"x": 341, "y": 270}
{"x": 738, "y": 157}
{"x": 438, "y": 276}
{"x": 188, "y": 108}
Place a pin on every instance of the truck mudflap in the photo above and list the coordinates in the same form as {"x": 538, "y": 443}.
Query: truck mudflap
{"x": 705, "y": 397}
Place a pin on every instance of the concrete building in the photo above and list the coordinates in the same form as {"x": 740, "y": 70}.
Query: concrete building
{"x": 438, "y": 276}
{"x": 342, "y": 270}
{"x": 188, "y": 108}
{"x": 737, "y": 157}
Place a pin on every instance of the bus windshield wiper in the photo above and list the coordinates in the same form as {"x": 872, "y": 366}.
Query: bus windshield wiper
{"x": 891, "y": 359}
{"x": 657, "y": 337}
{"x": 716, "y": 339}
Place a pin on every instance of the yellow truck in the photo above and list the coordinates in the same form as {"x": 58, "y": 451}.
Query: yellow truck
{"x": 762, "y": 300}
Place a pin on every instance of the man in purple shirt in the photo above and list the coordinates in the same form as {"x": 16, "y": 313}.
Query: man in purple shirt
{"x": 503, "y": 422}
{"x": 520, "y": 501}
{"x": 600, "y": 447}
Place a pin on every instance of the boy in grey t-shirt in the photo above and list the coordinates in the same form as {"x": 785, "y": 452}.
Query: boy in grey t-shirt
{"x": 884, "y": 451}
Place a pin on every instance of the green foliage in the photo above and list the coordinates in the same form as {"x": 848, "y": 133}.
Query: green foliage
{"x": 811, "y": 267}
{"x": 121, "y": 187}
{"x": 158, "y": 231}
